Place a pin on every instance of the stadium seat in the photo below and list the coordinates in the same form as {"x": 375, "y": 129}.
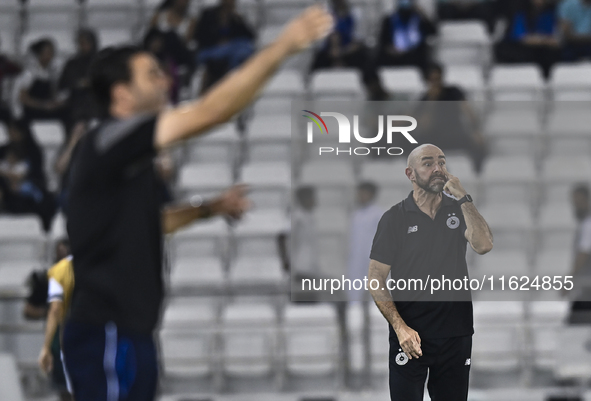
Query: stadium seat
{"x": 269, "y": 184}
{"x": 469, "y": 78}
{"x": 559, "y": 174}
{"x": 14, "y": 274}
{"x": 499, "y": 312}
{"x": 286, "y": 83}
{"x": 256, "y": 272}
{"x": 204, "y": 179}
{"x": 333, "y": 181}
{"x": 568, "y": 130}
{"x": 311, "y": 341}
{"x": 497, "y": 348}
{"x": 21, "y": 238}
{"x": 52, "y": 13}
{"x": 512, "y": 177}
{"x": 198, "y": 275}
{"x": 256, "y": 233}
{"x": 464, "y": 42}
{"x": 272, "y": 106}
{"x": 507, "y": 260}
{"x": 269, "y": 138}
{"x": 516, "y": 83}
{"x": 189, "y": 313}
{"x": 188, "y": 352}
{"x": 571, "y": 82}
{"x": 388, "y": 173}
{"x": 336, "y": 83}
{"x": 102, "y": 14}
{"x": 556, "y": 226}
{"x": 249, "y": 338}
{"x": 208, "y": 238}
{"x": 573, "y": 361}
{"x": 220, "y": 145}
{"x": 549, "y": 313}
{"x": 514, "y": 131}
{"x": 10, "y": 384}
{"x": 405, "y": 81}
{"x": 7, "y": 38}
{"x": 379, "y": 338}
{"x": 114, "y": 37}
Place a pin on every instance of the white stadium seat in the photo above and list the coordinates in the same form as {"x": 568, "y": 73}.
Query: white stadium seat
{"x": 205, "y": 238}
{"x": 198, "y": 274}
{"x": 269, "y": 184}
{"x": 470, "y": 78}
{"x": 464, "y": 42}
{"x": 405, "y": 81}
{"x": 269, "y": 138}
{"x": 219, "y": 145}
{"x": 514, "y": 131}
{"x": 286, "y": 83}
{"x": 338, "y": 83}
{"x": 204, "y": 178}
{"x": 21, "y": 238}
{"x": 571, "y": 82}
{"x": 512, "y": 178}
{"x": 516, "y": 82}
{"x": 568, "y": 130}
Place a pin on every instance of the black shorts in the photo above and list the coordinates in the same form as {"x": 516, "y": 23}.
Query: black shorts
{"x": 446, "y": 360}
{"x": 103, "y": 363}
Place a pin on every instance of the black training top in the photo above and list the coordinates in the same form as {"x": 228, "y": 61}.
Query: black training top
{"x": 415, "y": 245}
{"x": 114, "y": 226}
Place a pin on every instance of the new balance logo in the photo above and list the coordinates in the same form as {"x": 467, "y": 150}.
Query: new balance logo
{"x": 413, "y": 229}
{"x": 468, "y": 362}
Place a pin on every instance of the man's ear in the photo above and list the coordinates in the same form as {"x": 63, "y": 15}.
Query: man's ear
{"x": 409, "y": 173}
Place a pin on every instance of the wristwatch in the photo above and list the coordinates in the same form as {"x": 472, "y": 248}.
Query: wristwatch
{"x": 466, "y": 198}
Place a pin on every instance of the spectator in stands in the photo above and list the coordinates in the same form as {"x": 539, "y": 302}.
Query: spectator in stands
{"x": 484, "y": 10}
{"x": 575, "y": 25}
{"x": 403, "y": 37}
{"x": 531, "y": 36}
{"x": 581, "y": 307}
{"x": 169, "y": 39}
{"x": 443, "y": 124}
{"x": 304, "y": 239}
{"x": 35, "y": 94}
{"x": 363, "y": 226}
{"x": 224, "y": 41}
{"x": 8, "y": 69}
{"x": 343, "y": 48}
{"x": 74, "y": 78}
{"x": 22, "y": 181}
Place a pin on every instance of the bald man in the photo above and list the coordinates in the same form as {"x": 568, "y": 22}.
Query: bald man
{"x": 428, "y": 231}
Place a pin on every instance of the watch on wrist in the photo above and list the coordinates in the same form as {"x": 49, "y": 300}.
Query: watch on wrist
{"x": 466, "y": 198}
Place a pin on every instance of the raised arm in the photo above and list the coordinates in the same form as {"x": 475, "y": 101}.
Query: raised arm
{"x": 477, "y": 232}
{"x": 409, "y": 339}
{"x": 237, "y": 90}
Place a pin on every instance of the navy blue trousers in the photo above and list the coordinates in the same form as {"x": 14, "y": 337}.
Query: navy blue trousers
{"x": 103, "y": 363}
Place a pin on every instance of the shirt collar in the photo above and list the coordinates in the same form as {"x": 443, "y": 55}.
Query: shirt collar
{"x": 410, "y": 205}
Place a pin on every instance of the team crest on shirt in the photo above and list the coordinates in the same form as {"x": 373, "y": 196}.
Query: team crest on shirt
{"x": 452, "y": 221}
{"x": 401, "y": 358}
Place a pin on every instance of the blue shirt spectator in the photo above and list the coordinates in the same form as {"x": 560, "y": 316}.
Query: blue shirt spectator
{"x": 577, "y": 15}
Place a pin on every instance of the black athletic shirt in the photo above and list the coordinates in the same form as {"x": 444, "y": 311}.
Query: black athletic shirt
{"x": 114, "y": 226}
{"x": 407, "y": 239}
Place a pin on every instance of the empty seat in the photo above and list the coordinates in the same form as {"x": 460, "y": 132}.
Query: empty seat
{"x": 114, "y": 37}
{"x": 10, "y": 383}
{"x": 333, "y": 181}
{"x": 464, "y": 42}
{"x": 498, "y": 312}
{"x": 571, "y": 82}
{"x": 52, "y": 13}
{"x": 204, "y": 238}
{"x": 516, "y": 82}
{"x": 336, "y": 83}
{"x": 568, "y": 130}
{"x": 514, "y": 131}
{"x": 112, "y": 13}
{"x": 204, "y": 178}
{"x": 556, "y": 226}
{"x": 560, "y": 173}
{"x": 269, "y": 184}
{"x": 201, "y": 274}
{"x": 385, "y": 173}
{"x": 269, "y": 138}
{"x": 217, "y": 145}
{"x": 573, "y": 361}
{"x": 286, "y": 83}
{"x": 509, "y": 178}
{"x": 13, "y": 276}
{"x": 249, "y": 333}
{"x": 256, "y": 233}
{"x": 405, "y": 81}
{"x": 553, "y": 262}
{"x": 496, "y": 348}
{"x": 187, "y": 352}
{"x": 189, "y": 312}
{"x": 21, "y": 238}
{"x": 311, "y": 340}
{"x": 256, "y": 272}
{"x": 511, "y": 223}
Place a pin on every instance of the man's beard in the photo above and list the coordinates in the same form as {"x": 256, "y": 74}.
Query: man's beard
{"x": 429, "y": 185}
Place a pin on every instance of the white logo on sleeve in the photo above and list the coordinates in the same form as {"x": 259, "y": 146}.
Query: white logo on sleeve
{"x": 468, "y": 362}
{"x": 401, "y": 358}
{"x": 413, "y": 229}
{"x": 453, "y": 222}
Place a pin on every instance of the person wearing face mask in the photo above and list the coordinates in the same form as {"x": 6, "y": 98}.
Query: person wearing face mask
{"x": 403, "y": 37}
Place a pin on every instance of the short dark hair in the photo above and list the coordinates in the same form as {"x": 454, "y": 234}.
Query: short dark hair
{"x": 433, "y": 66}
{"x": 369, "y": 187}
{"x": 37, "y": 47}
{"x": 89, "y": 35}
{"x": 109, "y": 67}
{"x": 582, "y": 189}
